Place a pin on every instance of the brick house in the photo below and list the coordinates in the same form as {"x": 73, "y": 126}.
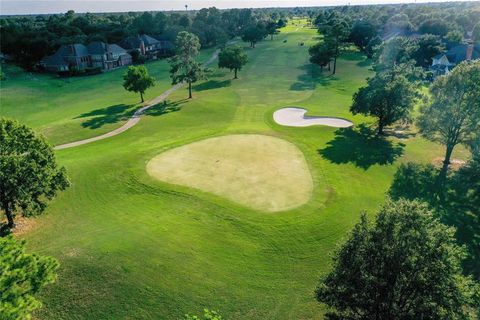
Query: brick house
{"x": 147, "y": 46}
{"x": 80, "y": 57}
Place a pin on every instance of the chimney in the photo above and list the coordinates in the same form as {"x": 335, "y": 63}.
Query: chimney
{"x": 142, "y": 47}
{"x": 469, "y": 51}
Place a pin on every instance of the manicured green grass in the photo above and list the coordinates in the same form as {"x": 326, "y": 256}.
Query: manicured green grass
{"x": 258, "y": 171}
{"x": 132, "y": 247}
{"x": 69, "y": 109}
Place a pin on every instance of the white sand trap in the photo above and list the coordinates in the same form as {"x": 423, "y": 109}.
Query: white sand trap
{"x": 295, "y": 117}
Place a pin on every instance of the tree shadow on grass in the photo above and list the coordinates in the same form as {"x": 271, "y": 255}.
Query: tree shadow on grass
{"x": 311, "y": 77}
{"x": 362, "y": 147}
{"x": 212, "y": 84}
{"x": 456, "y": 202}
{"x": 165, "y": 107}
{"x": 108, "y": 115}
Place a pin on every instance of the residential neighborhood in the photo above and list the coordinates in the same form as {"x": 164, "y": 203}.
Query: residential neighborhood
{"x": 102, "y": 56}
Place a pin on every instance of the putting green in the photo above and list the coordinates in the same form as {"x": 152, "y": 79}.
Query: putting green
{"x": 257, "y": 171}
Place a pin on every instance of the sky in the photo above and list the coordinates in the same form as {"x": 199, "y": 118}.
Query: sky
{"x": 10, "y": 7}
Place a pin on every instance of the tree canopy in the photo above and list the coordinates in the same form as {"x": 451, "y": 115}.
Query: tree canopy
{"x": 453, "y": 114}
{"x": 29, "y": 174}
{"x": 22, "y": 276}
{"x": 183, "y": 66}
{"x": 388, "y": 96}
{"x": 406, "y": 265}
{"x": 233, "y": 58}
{"x": 137, "y": 79}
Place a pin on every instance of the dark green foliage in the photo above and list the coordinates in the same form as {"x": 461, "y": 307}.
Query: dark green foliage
{"x": 22, "y": 276}
{"x": 184, "y": 67}
{"x": 253, "y": 34}
{"x": 137, "y": 79}
{"x": 335, "y": 29}
{"x": 435, "y": 26}
{"x": 427, "y": 46}
{"x": 233, "y": 58}
{"x": 29, "y": 174}
{"x": 456, "y": 202}
{"x": 388, "y": 96}
{"x": 406, "y": 265}
{"x": 322, "y": 54}
{"x": 362, "y": 33}
{"x": 453, "y": 114}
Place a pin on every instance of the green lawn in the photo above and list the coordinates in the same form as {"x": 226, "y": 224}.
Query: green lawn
{"x": 69, "y": 109}
{"x": 132, "y": 247}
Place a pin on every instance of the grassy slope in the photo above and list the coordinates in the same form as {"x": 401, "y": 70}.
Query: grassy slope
{"x": 132, "y": 247}
{"x": 68, "y": 109}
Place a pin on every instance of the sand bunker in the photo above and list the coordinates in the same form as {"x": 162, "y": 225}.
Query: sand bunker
{"x": 257, "y": 171}
{"x": 295, "y": 117}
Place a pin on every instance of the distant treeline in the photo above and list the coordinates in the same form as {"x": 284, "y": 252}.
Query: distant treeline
{"x": 29, "y": 38}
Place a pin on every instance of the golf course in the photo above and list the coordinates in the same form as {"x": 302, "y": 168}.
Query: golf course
{"x": 208, "y": 202}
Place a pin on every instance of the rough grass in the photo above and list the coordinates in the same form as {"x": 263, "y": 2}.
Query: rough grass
{"x": 131, "y": 247}
{"x": 257, "y": 171}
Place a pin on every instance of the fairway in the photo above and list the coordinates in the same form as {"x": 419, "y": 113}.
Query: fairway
{"x": 207, "y": 202}
{"x": 257, "y": 171}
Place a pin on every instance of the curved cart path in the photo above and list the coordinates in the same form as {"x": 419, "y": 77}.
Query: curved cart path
{"x": 136, "y": 116}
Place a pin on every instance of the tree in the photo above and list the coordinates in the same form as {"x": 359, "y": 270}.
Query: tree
{"x": 253, "y": 34}
{"x": 137, "y": 79}
{"x": 454, "y": 36}
{"x": 434, "y": 26}
{"x": 427, "y": 47}
{"x": 321, "y": 54}
{"x": 453, "y": 115}
{"x": 22, "y": 276}
{"x": 476, "y": 33}
{"x": 183, "y": 66}
{"x": 271, "y": 28}
{"x": 362, "y": 33}
{"x": 29, "y": 174}
{"x": 388, "y": 96}
{"x": 406, "y": 265}
{"x": 335, "y": 30}
{"x": 395, "y": 51}
{"x": 233, "y": 58}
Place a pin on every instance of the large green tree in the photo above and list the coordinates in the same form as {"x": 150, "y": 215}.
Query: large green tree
{"x": 321, "y": 54}
{"x": 362, "y": 33}
{"x": 183, "y": 66}
{"x": 29, "y": 174}
{"x": 388, "y": 96}
{"x": 233, "y": 58}
{"x": 453, "y": 114}
{"x": 335, "y": 29}
{"x": 137, "y": 79}
{"x": 406, "y": 265}
{"x": 22, "y": 276}
{"x": 253, "y": 34}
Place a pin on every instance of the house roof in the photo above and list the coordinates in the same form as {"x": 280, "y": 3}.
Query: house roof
{"x": 99, "y": 47}
{"x": 76, "y": 49}
{"x": 133, "y": 42}
{"x": 458, "y": 53}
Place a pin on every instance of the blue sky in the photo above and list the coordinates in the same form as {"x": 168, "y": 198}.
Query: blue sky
{"x": 56, "y": 6}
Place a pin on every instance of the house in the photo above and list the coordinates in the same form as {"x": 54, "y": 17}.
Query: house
{"x": 147, "y": 45}
{"x": 108, "y": 56}
{"x": 444, "y": 62}
{"x": 80, "y": 57}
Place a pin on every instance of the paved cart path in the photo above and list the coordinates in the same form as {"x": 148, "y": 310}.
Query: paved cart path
{"x": 136, "y": 116}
